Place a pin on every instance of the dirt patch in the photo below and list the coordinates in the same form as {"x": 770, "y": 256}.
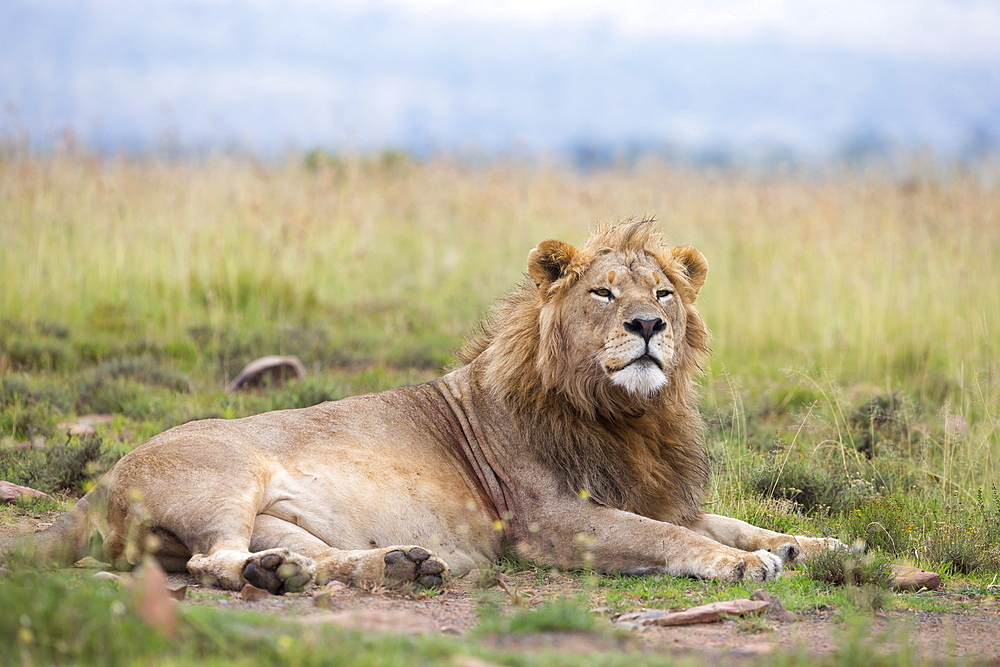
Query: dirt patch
{"x": 454, "y": 611}
{"x": 17, "y": 521}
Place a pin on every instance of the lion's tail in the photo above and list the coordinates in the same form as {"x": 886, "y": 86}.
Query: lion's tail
{"x": 63, "y": 543}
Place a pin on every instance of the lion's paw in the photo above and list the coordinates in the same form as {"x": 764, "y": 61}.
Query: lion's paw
{"x": 757, "y": 566}
{"x": 279, "y": 571}
{"x": 414, "y": 565}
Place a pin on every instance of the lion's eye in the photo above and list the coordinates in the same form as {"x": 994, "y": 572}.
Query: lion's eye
{"x": 602, "y": 292}
{"x": 663, "y": 293}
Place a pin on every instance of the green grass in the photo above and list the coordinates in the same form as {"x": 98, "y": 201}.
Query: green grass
{"x": 853, "y": 389}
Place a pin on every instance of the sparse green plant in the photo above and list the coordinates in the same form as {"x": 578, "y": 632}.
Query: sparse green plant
{"x": 39, "y": 354}
{"x": 844, "y": 567}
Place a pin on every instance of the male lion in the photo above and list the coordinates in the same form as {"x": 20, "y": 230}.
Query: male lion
{"x": 568, "y": 435}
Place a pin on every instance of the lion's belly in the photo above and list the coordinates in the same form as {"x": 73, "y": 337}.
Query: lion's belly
{"x": 361, "y": 504}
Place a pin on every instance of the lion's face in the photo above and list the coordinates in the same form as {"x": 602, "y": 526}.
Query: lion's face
{"x": 615, "y": 315}
{"x": 629, "y": 318}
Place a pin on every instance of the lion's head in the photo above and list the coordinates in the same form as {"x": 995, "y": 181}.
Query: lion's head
{"x": 609, "y": 326}
{"x": 594, "y": 357}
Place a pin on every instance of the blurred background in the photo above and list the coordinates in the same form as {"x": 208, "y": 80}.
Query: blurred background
{"x": 716, "y": 82}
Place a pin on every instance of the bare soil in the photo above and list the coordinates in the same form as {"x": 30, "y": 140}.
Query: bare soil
{"x": 968, "y": 636}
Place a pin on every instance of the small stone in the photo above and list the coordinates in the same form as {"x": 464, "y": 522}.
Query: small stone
{"x": 323, "y": 598}
{"x": 107, "y": 576}
{"x": 906, "y": 578}
{"x": 774, "y": 608}
{"x": 177, "y": 591}
{"x": 706, "y": 613}
{"x": 601, "y": 610}
{"x": 251, "y": 593}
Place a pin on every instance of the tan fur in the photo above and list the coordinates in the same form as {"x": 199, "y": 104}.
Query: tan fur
{"x": 568, "y": 434}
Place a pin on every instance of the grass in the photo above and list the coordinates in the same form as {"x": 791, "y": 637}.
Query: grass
{"x": 853, "y": 389}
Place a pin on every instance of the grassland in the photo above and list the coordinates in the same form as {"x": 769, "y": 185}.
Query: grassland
{"x": 854, "y": 388}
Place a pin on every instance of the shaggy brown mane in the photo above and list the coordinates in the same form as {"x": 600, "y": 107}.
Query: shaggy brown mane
{"x": 643, "y": 455}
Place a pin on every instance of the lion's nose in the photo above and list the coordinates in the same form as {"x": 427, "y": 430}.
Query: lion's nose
{"x": 645, "y": 328}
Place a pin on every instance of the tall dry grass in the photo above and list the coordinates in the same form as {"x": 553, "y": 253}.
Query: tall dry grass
{"x": 856, "y": 278}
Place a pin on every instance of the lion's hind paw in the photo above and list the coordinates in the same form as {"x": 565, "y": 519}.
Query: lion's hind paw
{"x": 279, "y": 571}
{"x": 414, "y": 565}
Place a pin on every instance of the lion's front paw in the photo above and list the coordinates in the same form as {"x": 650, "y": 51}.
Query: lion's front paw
{"x": 759, "y": 566}
{"x": 736, "y": 566}
{"x": 279, "y": 571}
{"x": 414, "y": 565}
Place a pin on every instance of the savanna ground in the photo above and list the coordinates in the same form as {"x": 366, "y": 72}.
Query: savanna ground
{"x": 854, "y": 387}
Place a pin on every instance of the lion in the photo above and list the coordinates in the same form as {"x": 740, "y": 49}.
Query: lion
{"x": 568, "y": 436}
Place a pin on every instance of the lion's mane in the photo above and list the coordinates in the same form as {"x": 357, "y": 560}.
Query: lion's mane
{"x": 642, "y": 455}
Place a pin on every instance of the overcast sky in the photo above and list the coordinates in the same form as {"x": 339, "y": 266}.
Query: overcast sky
{"x": 957, "y": 29}
{"x": 808, "y": 75}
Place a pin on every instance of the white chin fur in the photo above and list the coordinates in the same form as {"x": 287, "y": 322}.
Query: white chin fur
{"x": 642, "y": 378}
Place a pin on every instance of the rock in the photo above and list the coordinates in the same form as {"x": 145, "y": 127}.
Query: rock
{"x": 706, "y": 613}
{"x": 272, "y": 370}
{"x": 774, "y": 608}
{"x": 323, "y": 598}
{"x": 91, "y": 563}
{"x": 251, "y": 593}
{"x": 907, "y": 578}
{"x": 10, "y": 492}
{"x": 177, "y": 591}
{"x": 107, "y": 576}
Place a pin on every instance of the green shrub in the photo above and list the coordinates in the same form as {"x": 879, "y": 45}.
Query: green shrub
{"x": 66, "y": 466}
{"x": 39, "y": 354}
{"x": 141, "y": 369}
{"x": 124, "y": 397}
{"x": 812, "y": 485}
{"x": 883, "y": 421}
{"x": 843, "y": 567}
{"x": 967, "y": 539}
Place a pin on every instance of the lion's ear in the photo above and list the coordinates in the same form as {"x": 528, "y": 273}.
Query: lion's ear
{"x": 548, "y": 261}
{"x": 694, "y": 264}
